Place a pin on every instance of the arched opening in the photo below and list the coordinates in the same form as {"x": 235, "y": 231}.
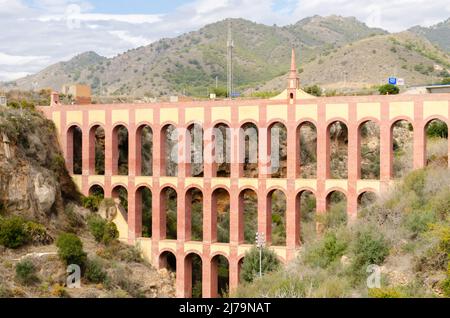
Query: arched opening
{"x": 248, "y": 216}
{"x": 193, "y": 275}
{"x": 336, "y": 214}
{"x": 194, "y": 214}
{"x": 97, "y": 153}
{"x": 169, "y": 151}
{"x": 222, "y": 151}
{"x": 369, "y": 147}
{"x": 143, "y": 201}
{"x": 307, "y": 133}
{"x": 436, "y": 141}
{"x": 278, "y": 150}
{"x": 338, "y": 149}
{"x": 365, "y": 200}
{"x": 120, "y": 150}
{"x": 168, "y": 261}
{"x": 195, "y": 146}
{"x": 220, "y": 277}
{"x": 306, "y": 202}
{"x": 75, "y": 150}
{"x": 221, "y": 213}
{"x": 402, "y": 146}
{"x": 249, "y": 155}
{"x": 97, "y": 191}
{"x": 120, "y": 193}
{"x": 276, "y": 202}
{"x": 168, "y": 206}
{"x": 144, "y": 151}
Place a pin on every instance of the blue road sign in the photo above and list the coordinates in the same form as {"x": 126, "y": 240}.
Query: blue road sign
{"x": 393, "y": 80}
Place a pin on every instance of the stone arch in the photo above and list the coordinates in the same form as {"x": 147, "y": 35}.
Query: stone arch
{"x": 305, "y": 206}
{"x": 366, "y": 198}
{"x": 168, "y": 205}
{"x": 337, "y": 149}
{"x": 120, "y": 192}
{"x": 402, "y": 141}
{"x": 167, "y": 259}
{"x": 96, "y": 190}
{"x": 436, "y": 142}
{"x": 276, "y": 211}
{"x": 97, "y": 150}
{"x": 74, "y": 150}
{"x": 120, "y": 150}
{"x": 193, "y": 275}
{"x": 144, "y": 150}
{"x": 222, "y": 150}
{"x": 248, "y": 216}
{"x": 143, "y": 209}
{"x": 169, "y": 151}
{"x": 220, "y": 276}
{"x": 336, "y": 205}
{"x": 307, "y": 145}
{"x": 194, "y": 214}
{"x": 220, "y": 214}
{"x": 369, "y": 150}
{"x": 248, "y": 150}
{"x": 195, "y": 150}
{"x": 277, "y": 149}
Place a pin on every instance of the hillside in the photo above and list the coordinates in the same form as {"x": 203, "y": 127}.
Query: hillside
{"x": 39, "y": 203}
{"x": 438, "y": 34}
{"x": 192, "y": 61}
{"x": 370, "y": 61}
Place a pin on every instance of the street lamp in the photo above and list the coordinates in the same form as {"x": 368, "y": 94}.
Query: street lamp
{"x": 260, "y": 243}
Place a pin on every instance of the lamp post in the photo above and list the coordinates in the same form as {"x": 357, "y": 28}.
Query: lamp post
{"x": 260, "y": 243}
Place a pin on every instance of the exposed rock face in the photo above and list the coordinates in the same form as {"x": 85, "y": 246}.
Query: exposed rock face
{"x": 33, "y": 180}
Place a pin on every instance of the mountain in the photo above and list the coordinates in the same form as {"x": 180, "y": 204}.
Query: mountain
{"x": 327, "y": 49}
{"x": 369, "y": 62}
{"x": 438, "y": 34}
{"x": 192, "y": 61}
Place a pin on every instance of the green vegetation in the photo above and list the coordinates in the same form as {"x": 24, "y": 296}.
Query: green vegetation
{"x": 103, "y": 231}
{"x": 26, "y": 272}
{"x": 407, "y": 232}
{"x": 12, "y": 232}
{"x": 388, "y": 89}
{"x": 314, "y": 90}
{"x": 94, "y": 272}
{"x": 250, "y": 266}
{"x": 70, "y": 250}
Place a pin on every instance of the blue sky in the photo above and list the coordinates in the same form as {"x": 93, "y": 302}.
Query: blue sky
{"x": 38, "y": 33}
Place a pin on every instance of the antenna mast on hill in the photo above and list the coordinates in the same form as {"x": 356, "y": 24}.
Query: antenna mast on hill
{"x": 230, "y": 46}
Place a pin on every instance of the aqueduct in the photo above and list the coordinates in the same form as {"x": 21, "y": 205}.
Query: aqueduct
{"x": 292, "y": 109}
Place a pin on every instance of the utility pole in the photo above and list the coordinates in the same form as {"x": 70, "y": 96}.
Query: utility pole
{"x": 230, "y": 46}
{"x": 260, "y": 243}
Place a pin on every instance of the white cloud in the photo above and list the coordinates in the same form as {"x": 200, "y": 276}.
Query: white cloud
{"x": 12, "y": 60}
{"x": 134, "y": 40}
{"x": 9, "y": 76}
{"x": 31, "y": 32}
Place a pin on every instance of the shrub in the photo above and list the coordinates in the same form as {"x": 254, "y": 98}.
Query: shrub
{"x": 389, "y": 89}
{"x": 385, "y": 293}
{"x": 250, "y": 267}
{"x": 37, "y": 233}
{"x": 92, "y": 202}
{"x": 370, "y": 247}
{"x": 437, "y": 129}
{"x": 94, "y": 272}
{"x": 70, "y": 249}
{"x": 12, "y": 232}
{"x": 102, "y": 230}
{"x": 26, "y": 272}
{"x": 418, "y": 221}
{"x": 328, "y": 251}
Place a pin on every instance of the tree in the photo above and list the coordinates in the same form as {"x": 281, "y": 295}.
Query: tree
{"x": 250, "y": 267}
{"x": 389, "y": 89}
{"x": 446, "y": 81}
{"x": 314, "y": 90}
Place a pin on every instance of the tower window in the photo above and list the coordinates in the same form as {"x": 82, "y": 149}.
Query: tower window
{"x": 292, "y": 95}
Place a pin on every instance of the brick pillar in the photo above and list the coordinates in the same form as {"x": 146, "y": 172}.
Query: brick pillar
{"x": 292, "y": 221}
{"x": 137, "y": 153}
{"x": 91, "y": 149}
{"x": 236, "y": 215}
{"x": 134, "y": 215}
{"x": 69, "y": 151}
{"x": 323, "y": 159}
{"x": 386, "y": 151}
{"x": 85, "y": 154}
{"x": 419, "y": 137}
{"x": 233, "y": 266}
{"x": 184, "y": 276}
{"x": 354, "y": 163}
{"x": 209, "y": 278}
